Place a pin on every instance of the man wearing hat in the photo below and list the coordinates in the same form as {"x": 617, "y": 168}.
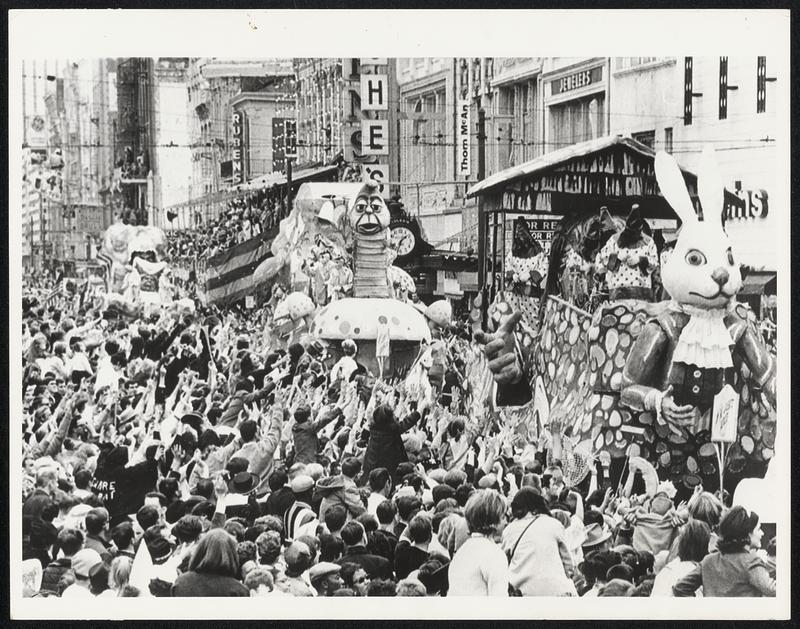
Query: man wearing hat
{"x": 325, "y": 578}
{"x": 298, "y": 559}
{"x": 597, "y": 538}
{"x": 299, "y": 518}
{"x": 82, "y": 563}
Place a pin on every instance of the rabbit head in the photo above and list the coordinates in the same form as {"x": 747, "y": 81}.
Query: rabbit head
{"x": 703, "y": 270}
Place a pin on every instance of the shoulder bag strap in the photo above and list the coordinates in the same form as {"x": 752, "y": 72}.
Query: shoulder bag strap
{"x": 519, "y": 539}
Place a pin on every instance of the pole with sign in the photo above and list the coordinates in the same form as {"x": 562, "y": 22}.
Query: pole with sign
{"x": 290, "y": 153}
{"x": 724, "y": 423}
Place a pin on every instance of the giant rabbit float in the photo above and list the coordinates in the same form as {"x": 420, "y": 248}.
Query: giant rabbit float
{"x": 639, "y": 379}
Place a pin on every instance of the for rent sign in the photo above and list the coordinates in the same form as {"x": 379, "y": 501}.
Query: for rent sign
{"x": 463, "y": 138}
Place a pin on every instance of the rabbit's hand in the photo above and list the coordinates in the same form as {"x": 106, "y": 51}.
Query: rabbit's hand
{"x": 680, "y": 415}
{"x": 499, "y": 349}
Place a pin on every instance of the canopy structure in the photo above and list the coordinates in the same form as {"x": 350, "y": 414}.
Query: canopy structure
{"x": 560, "y": 188}
{"x": 613, "y": 170}
{"x": 279, "y": 179}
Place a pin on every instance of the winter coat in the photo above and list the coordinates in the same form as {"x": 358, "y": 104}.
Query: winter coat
{"x": 339, "y": 490}
{"x": 52, "y": 574}
{"x": 385, "y": 446}
{"x": 203, "y": 584}
{"x": 306, "y": 441}
{"x": 230, "y": 417}
{"x": 122, "y": 488}
{"x": 261, "y": 454}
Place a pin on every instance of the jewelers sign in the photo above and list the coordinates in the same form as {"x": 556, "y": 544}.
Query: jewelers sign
{"x": 464, "y": 157}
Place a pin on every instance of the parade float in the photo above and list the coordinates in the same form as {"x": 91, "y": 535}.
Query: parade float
{"x": 138, "y": 274}
{"x": 335, "y": 250}
{"x": 609, "y": 380}
{"x": 366, "y": 222}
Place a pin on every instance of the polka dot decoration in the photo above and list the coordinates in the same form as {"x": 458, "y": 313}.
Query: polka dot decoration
{"x": 580, "y": 361}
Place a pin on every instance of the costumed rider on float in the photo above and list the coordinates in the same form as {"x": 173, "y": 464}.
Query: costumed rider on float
{"x": 628, "y": 260}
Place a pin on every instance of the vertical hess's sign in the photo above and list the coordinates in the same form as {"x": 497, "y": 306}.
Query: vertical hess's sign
{"x": 463, "y": 144}
{"x": 238, "y": 154}
{"x": 375, "y": 98}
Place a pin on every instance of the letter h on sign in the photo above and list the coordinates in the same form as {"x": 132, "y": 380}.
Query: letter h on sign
{"x": 374, "y": 92}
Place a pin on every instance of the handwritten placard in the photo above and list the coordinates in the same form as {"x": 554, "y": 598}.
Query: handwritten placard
{"x": 725, "y": 416}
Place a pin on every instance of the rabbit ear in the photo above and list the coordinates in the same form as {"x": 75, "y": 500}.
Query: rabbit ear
{"x": 673, "y": 187}
{"x": 709, "y": 186}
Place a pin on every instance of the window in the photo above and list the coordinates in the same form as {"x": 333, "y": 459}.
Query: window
{"x": 648, "y": 138}
{"x": 668, "y": 139}
{"x": 577, "y": 121}
{"x": 723, "y": 88}
{"x": 761, "y": 85}
{"x": 624, "y": 63}
{"x": 687, "y": 91}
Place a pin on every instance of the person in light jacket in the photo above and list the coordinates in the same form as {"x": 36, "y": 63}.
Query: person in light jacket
{"x": 541, "y": 563}
{"x": 734, "y": 570}
{"x": 260, "y": 448}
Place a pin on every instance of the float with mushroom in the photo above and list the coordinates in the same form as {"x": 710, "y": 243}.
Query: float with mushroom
{"x": 366, "y": 223}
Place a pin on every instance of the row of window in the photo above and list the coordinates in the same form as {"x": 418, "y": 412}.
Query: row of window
{"x": 724, "y": 88}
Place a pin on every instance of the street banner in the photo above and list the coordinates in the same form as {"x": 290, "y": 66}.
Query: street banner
{"x": 229, "y": 275}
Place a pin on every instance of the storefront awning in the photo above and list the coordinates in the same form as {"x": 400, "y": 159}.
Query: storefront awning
{"x": 279, "y": 179}
{"x": 759, "y": 283}
{"x": 554, "y": 158}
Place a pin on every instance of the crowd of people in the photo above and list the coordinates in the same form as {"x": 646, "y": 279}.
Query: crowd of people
{"x": 242, "y": 219}
{"x": 182, "y": 454}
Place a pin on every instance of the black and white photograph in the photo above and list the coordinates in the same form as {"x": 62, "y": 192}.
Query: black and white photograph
{"x": 454, "y": 322}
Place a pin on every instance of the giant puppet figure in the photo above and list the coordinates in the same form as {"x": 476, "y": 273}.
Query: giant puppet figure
{"x": 138, "y": 276}
{"x": 358, "y": 318}
{"x": 642, "y": 379}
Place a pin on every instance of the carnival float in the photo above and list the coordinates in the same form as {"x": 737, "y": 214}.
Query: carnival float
{"x": 684, "y": 383}
{"x": 335, "y": 251}
{"x": 138, "y": 277}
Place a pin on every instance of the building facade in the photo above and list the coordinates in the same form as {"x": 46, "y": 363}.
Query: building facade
{"x": 171, "y": 164}
{"x": 236, "y": 114}
{"x": 70, "y": 114}
{"x": 328, "y": 109}
{"x": 681, "y": 104}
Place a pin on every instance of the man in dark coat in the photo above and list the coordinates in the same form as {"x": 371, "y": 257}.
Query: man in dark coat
{"x": 355, "y": 541}
{"x": 385, "y": 446}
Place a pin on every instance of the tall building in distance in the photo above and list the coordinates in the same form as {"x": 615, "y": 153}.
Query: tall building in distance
{"x": 236, "y": 113}
{"x": 328, "y": 109}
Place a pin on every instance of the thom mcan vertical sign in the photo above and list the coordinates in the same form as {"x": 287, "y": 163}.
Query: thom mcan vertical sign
{"x": 463, "y": 144}
{"x": 238, "y": 147}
